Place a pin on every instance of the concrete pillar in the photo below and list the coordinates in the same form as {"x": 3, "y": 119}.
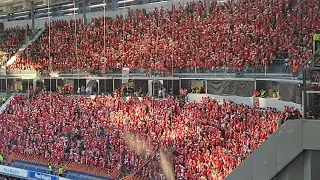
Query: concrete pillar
{"x": 84, "y": 6}
{"x": 32, "y": 15}
{"x": 208, "y": 6}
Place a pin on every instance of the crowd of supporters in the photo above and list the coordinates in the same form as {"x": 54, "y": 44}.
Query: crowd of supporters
{"x": 13, "y": 36}
{"x": 207, "y": 140}
{"x": 11, "y": 40}
{"x": 237, "y": 34}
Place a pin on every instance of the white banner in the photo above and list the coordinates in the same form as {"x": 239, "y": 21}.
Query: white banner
{"x": 13, "y": 171}
{"x": 125, "y": 75}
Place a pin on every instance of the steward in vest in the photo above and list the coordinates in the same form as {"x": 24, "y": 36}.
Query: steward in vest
{"x": 4, "y": 99}
{"x": 60, "y": 171}
{"x": 263, "y": 93}
{"x": 50, "y": 169}
{"x": 1, "y": 159}
{"x": 316, "y": 39}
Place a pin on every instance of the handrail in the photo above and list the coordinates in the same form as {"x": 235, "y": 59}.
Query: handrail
{"x": 71, "y": 166}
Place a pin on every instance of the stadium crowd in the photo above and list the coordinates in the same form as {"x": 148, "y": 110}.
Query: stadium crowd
{"x": 235, "y": 35}
{"x": 13, "y": 36}
{"x": 11, "y": 40}
{"x": 207, "y": 140}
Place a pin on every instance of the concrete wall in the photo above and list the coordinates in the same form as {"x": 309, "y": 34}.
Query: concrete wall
{"x": 281, "y": 157}
{"x": 249, "y": 101}
{"x": 305, "y": 166}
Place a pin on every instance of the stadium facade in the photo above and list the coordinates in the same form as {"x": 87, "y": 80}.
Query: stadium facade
{"x": 291, "y": 153}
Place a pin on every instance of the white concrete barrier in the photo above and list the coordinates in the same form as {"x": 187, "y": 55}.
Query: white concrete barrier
{"x": 278, "y": 104}
{"x": 263, "y": 102}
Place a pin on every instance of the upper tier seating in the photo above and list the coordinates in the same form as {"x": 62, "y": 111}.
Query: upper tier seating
{"x": 10, "y": 41}
{"x": 235, "y": 35}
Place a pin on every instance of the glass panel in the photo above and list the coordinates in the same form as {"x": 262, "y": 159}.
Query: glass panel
{"x": 219, "y": 71}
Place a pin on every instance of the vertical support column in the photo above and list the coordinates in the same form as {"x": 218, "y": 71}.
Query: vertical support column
{"x": 32, "y": 15}
{"x": 314, "y": 50}
{"x": 105, "y": 87}
{"x": 5, "y": 88}
{"x": 50, "y": 85}
{"x": 206, "y": 86}
{"x": 84, "y": 11}
{"x": 255, "y": 84}
{"x": 34, "y": 84}
{"x": 208, "y": 6}
{"x": 8, "y": 88}
{"x": 98, "y": 88}
{"x": 28, "y": 88}
{"x": 304, "y": 95}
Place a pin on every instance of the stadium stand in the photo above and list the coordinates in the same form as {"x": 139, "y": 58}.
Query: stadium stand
{"x": 81, "y": 131}
{"x": 10, "y": 41}
{"x": 207, "y": 140}
{"x": 236, "y": 35}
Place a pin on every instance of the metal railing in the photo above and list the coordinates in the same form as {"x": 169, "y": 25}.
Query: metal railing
{"x": 260, "y": 69}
